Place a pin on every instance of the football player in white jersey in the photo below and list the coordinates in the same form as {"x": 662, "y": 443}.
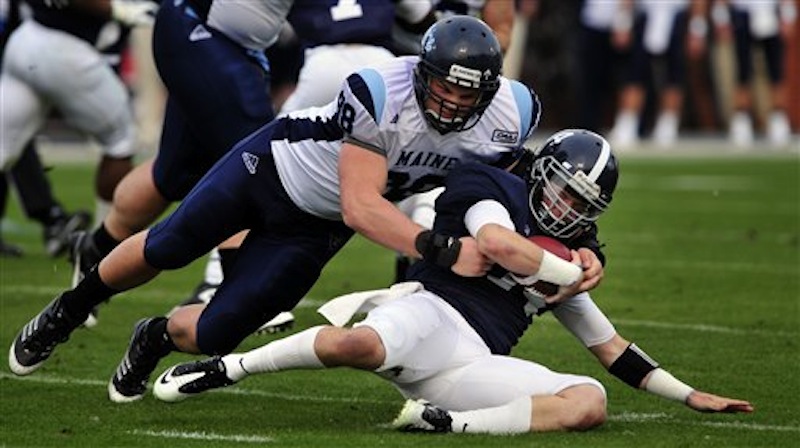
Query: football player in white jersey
{"x": 302, "y": 185}
{"x": 338, "y": 38}
{"x": 499, "y": 15}
{"x": 444, "y": 341}
{"x": 37, "y": 199}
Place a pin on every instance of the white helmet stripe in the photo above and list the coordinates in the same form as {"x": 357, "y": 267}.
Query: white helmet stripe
{"x": 602, "y": 160}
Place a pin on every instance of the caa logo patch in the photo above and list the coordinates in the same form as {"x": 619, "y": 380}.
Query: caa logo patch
{"x": 503, "y": 136}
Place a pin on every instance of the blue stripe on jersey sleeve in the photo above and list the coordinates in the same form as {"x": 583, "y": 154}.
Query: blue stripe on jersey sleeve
{"x": 529, "y": 108}
{"x": 367, "y": 85}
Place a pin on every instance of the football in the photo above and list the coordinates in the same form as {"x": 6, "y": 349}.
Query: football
{"x": 556, "y": 248}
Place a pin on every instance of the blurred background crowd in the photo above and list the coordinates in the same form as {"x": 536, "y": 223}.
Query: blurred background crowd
{"x": 722, "y": 70}
{"x": 690, "y": 68}
{"x": 638, "y": 71}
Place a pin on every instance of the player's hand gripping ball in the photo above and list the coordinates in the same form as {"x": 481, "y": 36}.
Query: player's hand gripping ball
{"x": 556, "y": 248}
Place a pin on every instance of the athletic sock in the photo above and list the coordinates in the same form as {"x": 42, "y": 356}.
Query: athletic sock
{"x": 511, "y": 418}
{"x": 101, "y": 209}
{"x": 90, "y": 292}
{"x": 294, "y": 352}
{"x": 159, "y": 340}
{"x": 103, "y": 240}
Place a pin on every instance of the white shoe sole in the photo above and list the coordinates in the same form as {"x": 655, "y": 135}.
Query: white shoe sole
{"x": 117, "y": 397}
{"x": 16, "y": 367}
{"x": 282, "y": 322}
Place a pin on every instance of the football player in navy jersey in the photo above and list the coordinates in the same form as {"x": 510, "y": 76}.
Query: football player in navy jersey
{"x": 303, "y": 185}
{"x": 341, "y": 37}
{"x": 444, "y": 340}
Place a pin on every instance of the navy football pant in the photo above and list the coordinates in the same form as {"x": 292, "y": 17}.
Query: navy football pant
{"x": 279, "y": 261}
{"x": 218, "y": 94}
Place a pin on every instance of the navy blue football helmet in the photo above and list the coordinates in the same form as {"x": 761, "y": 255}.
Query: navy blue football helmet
{"x": 462, "y": 50}
{"x": 572, "y": 181}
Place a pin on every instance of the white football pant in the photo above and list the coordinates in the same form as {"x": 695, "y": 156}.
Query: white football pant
{"x": 45, "y": 68}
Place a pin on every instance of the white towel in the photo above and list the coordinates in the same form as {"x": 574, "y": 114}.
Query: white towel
{"x": 340, "y": 311}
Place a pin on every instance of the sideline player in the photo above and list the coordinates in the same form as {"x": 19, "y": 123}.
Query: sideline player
{"x": 769, "y": 25}
{"x": 303, "y": 185}
{"x": 444, "y": 340}
{"x": 37, "y": 200}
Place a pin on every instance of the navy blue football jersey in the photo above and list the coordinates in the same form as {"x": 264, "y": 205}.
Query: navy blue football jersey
{"x": 106, "y": 35}
{"x": 496, "y": 312}
{"x": 494, "y": 305}
{"x": 323, "y": 22}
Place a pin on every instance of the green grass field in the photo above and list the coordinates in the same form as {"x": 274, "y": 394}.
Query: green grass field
{"x": 703, "y": 273}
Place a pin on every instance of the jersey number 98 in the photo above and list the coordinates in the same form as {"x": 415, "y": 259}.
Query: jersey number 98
{"x": 347, "y": 114}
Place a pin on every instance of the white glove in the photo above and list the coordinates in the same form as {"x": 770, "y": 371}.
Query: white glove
{"x": 133, "y": 12}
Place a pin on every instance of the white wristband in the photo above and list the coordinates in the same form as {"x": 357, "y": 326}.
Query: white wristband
{"x": 558, "y": 271}
{"x": 663, "y": 384}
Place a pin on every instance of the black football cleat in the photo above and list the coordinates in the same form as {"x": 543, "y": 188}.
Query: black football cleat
{"x": 129, "y": 382}
{"x": 421, "y": 416}
{"x": 35, "y": 343}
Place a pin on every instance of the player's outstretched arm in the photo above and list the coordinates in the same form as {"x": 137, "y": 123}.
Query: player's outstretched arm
{"x": 632, "y": 365}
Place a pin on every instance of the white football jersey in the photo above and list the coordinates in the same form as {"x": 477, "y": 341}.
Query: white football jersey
{"x": 255, "y": 25}
{"x": 377, "y": 108}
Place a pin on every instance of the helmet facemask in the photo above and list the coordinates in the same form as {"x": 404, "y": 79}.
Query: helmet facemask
{"x": 564, "y": 204}
{"x": 446, "y": 116}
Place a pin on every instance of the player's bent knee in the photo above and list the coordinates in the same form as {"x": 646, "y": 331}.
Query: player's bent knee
{"x": 360, "y": 348}
{"x": 587, "y": 407}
